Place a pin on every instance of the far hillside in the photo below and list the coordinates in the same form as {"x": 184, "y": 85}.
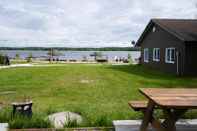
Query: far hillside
{"x": 73, "y": 49}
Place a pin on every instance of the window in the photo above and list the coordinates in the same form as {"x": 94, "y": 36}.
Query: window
{"x": 146, "y": 55}
{"x": 156, "y": 54}
{"x": 154, "y": 29}
{"x": 170, "y": 55}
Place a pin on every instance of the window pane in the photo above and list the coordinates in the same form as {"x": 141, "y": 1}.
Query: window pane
{"x": 172, "y": 54}
{"x": 154, "y": 53}
{"x": 158, "y": 54}
{"x": 168, "y": 54}
{"x": 146, "y": 55}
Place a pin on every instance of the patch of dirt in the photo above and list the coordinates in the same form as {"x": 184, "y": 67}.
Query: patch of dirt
{"x": 85, "y": 81}
{"x": 7, "y": 92}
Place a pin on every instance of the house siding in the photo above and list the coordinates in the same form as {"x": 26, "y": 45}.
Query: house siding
{"x": 191, "y": 56}
{"x": 163, "y": 39}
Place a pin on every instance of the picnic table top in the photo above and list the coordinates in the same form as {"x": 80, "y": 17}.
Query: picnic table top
{"x": 172, "y": 98}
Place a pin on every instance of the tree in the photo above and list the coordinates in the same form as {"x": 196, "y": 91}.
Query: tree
{"x": 17, "y": 56}
{"x": 29, "y": 58}
{"x": 1, "y": 59}
{"x": 4, "y": 60}
{"x": 133, "y": 43}
{"x": 129, "y": 58}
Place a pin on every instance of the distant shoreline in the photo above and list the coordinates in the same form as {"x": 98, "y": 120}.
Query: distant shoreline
{"x": 72, "y": 48}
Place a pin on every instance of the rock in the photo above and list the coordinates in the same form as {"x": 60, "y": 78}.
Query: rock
{"x": 62, "y": 118}
{"x": 4, "y": 126}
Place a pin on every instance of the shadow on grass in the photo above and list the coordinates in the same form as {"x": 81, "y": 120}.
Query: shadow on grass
{"x": 156, "y": 78}
{"x": 142, "y": 71}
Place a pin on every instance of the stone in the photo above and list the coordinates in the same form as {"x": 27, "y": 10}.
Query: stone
{"x": 126, "y": 125}
{"x": 62, "y": 118}
{"x": 134, "y": 125}
{"x": 3, "y": 126}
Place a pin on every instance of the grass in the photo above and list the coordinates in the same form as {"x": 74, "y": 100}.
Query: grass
{"x": 38, "y": 120}
{"x": 18, "y": 61}
{"x": 98, "y": 92}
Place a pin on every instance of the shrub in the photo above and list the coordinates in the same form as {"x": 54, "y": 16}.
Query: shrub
{"x": 29, "y": 58}
{"x": 19, "y": 121}
{"x": 1, "y": 59}
{"x": 36, "y": 121}
{"x": 17, "y": 56}
{"x": 102, "y": 121}
{"x": 4, "y": 60}
{"x": 5, "y": 115}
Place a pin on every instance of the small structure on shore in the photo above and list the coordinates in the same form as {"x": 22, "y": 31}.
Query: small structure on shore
{"x": 99, "y": 57}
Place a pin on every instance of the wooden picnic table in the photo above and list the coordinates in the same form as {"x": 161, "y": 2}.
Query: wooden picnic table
{"x": 174, "y": 103}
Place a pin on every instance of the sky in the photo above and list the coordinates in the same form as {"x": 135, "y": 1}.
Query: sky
{"x": 84, "y": 23}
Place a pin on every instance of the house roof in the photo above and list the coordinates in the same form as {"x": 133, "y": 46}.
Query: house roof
{"x": 183, "y": 29}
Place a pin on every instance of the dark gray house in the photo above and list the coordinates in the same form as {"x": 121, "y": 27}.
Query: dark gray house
{"x": 170, "y": 45}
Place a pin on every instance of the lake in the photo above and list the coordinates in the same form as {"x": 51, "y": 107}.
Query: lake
{"x": 78, "y": 55}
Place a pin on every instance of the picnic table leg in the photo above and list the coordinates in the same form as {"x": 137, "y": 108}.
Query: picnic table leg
{"x": 155, "y": 123}
{"x": 172, "y": 116}
{"x": 147, "y": 116}
{"x": 169, "y": 124}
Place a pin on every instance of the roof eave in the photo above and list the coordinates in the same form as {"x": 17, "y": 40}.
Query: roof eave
{"x": 190, "y": 41}
{"x": 153, "y": 21}
{"x": 169, "y": 30}
{"x": 144, "y": 33}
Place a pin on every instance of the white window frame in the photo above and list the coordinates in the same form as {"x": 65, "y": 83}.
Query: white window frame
{"x": 154, "y": 29}
{"x": 166, "y": 57}
{"x": 146, "y": 55}
{"x": 156, "y": 54}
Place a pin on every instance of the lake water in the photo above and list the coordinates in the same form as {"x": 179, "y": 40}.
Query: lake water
{"x": 78, "y": 55}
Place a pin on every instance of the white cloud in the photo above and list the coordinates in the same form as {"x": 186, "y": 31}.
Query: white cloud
{"x": 84, "y": 22}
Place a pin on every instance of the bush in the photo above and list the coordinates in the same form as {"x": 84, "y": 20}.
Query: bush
{"x": 29, "y": 58}
{"x": 5, "y": 115}
{"x": 1, "y": 59}
{"x": 37, "y": 121}
{"x": 20, "y": 122}
{"x": 4, "y": 60}
{"x": 102, "y": 121}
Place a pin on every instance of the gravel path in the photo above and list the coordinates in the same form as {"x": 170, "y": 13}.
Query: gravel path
{"x": 29, "y": 65}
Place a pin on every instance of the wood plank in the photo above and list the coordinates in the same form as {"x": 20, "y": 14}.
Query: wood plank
{"x": 176, "y": 104}
{"x": 138, "y": 105}
{"x": 172, "y": 98}
{"x": 169, "y": 92}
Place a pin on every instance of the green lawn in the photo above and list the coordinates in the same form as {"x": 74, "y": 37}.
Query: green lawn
{"x": 96, "y": 91}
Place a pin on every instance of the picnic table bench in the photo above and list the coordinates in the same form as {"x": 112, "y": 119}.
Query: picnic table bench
{"x": 173, "y": 102}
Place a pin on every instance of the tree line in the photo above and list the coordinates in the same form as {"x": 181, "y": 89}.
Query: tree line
{"x": 73, "y": 49}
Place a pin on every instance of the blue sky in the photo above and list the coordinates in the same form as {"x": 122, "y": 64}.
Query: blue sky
{"x": 83, "y": 23}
